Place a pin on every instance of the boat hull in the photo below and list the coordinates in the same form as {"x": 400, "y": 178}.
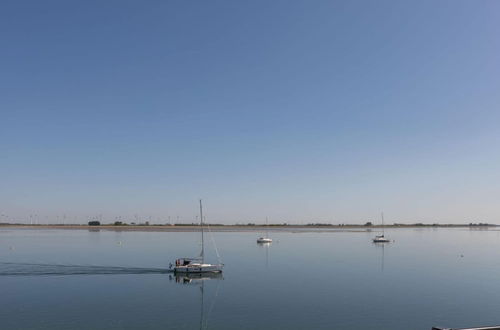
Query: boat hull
{"x": 381, "y": 240}
{"x": 197, "y": 269}
{"x": 264, "y": 240}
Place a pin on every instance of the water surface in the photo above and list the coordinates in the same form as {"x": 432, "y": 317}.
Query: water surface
{"x": 79, "y": 279}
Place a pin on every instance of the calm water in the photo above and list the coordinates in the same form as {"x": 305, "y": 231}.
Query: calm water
{"x": 62, "y": 279}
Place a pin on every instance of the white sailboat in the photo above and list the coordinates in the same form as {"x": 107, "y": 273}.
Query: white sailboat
{"x": 265, "y": 239}
{"x": 197, "y": 264}
{"x": 381, "y": 238}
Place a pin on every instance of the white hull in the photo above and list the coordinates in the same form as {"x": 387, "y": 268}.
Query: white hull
{"x": 264, "y": 240}
{"x": 381, "y": 240}
{"x": 198, "y": 268}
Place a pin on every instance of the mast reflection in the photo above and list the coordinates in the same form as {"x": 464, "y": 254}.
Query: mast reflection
{"x": 199, "y": 279}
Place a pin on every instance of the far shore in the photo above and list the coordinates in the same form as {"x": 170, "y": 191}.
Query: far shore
{"x": 219, "y": 228}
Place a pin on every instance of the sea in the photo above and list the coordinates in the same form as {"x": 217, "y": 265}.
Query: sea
{"x": 304, "y": 279}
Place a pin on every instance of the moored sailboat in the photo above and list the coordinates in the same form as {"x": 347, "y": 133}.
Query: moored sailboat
{"x": 381, "y": 238}
{"x": 265, "y": 239}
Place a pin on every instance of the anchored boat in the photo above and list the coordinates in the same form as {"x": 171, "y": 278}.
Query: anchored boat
{"x": 265, "y": 239}
{"x": 197, "y": 264}
{"x": 381, "y": 238}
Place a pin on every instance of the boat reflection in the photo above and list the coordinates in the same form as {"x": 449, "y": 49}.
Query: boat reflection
{"x": 199, "y": 279}
{"x": 195, "y": 277}
{"x": 382, "y": 258}
{"x": 265, "y": 246}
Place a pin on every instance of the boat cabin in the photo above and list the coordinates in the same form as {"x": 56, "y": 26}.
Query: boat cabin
{"x": 186, "y": 261}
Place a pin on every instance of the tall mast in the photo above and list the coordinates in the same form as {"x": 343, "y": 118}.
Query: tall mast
{"x": 202, "y": 241}
{"x": 267, "y": 228}
{"x": 383, "y": 231}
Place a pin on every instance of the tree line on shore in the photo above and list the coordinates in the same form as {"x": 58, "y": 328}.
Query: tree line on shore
{"x": 317, "y": 224}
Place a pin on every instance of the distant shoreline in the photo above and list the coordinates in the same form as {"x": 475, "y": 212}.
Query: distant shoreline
{"x": 217, "y": 227}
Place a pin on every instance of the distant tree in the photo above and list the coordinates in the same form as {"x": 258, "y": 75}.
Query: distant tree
{"x": 118, "y": 223}
{"x": 94, "y": 223}
{"x": 369, "y": 223}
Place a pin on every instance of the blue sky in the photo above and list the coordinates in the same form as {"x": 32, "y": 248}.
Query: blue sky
{"x": 325, "y": 111}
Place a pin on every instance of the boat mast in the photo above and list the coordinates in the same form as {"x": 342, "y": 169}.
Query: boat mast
{"x": 202, "y": 241}
{"x": 267, "y": 228}
{"x": 383, "y": 231}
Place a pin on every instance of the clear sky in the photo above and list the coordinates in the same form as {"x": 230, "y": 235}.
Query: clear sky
{"x": 324, "y": 111}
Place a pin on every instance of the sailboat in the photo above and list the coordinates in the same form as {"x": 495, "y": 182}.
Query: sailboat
{"x": 265, "y": 239}
{"x": 197, "y": 264}
{"x": 381, "y": 238}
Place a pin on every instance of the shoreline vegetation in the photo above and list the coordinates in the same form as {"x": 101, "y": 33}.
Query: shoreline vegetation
{"x": 235, "y": 227}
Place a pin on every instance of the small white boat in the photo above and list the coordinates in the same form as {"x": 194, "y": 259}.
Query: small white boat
{"x": 265, "y": 239}
{"x": 381, "y": 238}
{"x": 197, "y": 264}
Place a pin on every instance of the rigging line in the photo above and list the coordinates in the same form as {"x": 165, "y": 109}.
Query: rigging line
{"x": 215, "y": 245}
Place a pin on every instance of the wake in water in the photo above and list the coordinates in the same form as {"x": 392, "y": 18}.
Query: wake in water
{"x": 33, "y": 269}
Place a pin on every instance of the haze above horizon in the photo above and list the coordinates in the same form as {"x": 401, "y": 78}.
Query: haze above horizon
{"x": 324, "y": 111}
